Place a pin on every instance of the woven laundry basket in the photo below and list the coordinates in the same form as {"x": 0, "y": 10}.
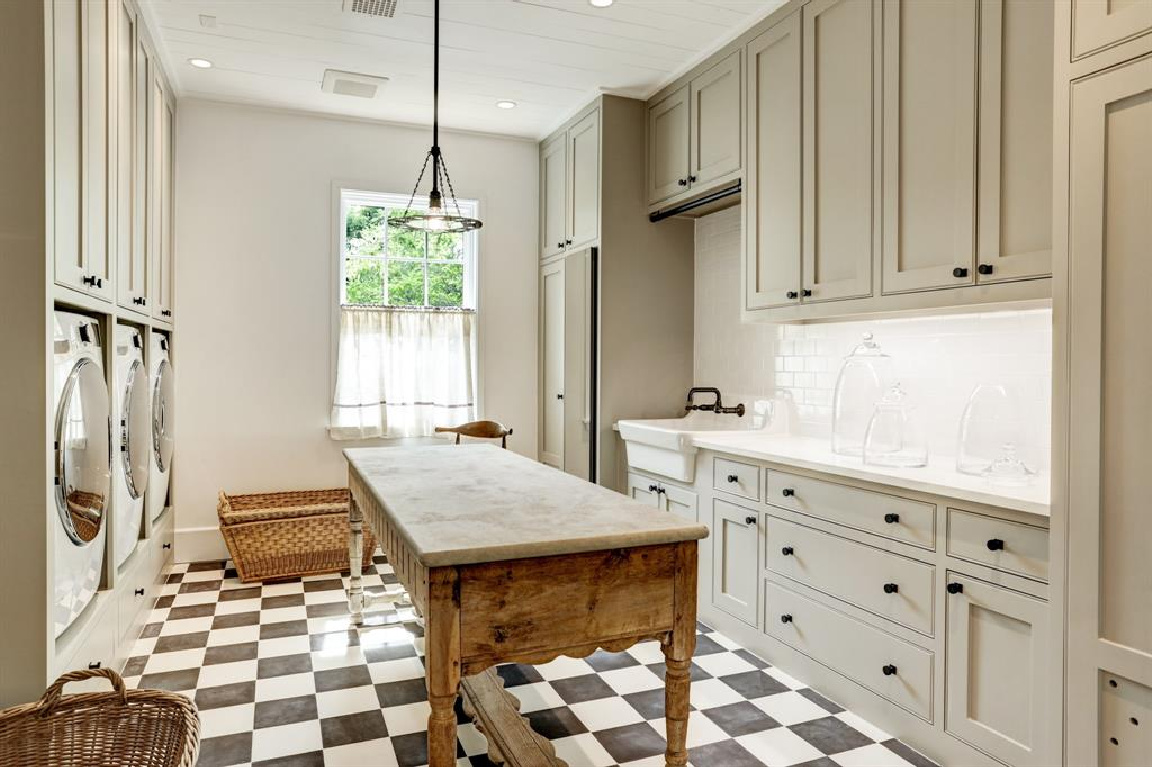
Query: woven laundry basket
{"x": 285, "y": 535}
{"x": 125, "y": 728}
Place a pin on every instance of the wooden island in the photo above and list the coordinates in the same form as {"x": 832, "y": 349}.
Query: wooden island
{"x": 509, "y": 560}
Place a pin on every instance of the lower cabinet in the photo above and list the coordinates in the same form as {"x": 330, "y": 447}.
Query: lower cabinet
{"x": 996, "y": 653}
{"x": 662, "y": 495}
{"x": 735, "y": 564}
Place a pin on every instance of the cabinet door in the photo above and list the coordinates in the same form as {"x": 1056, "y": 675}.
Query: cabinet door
{"x": 996, "y": 665}
{"x": 735, "y": 563}
{"x": 553, "y": 196}
{"x": 715, "y": 143}
{"x": 552, "y": 354}
{"x": 143, "y": 140}
{"x": 584, "y": 181}
{"x": 67, "y": 141}
{"x": 668, "y": 136}
{"x": 131, "y": 265}
{"x": 644, "y": 489}
{"x": 839, "y": 149}
{"x": 680, "y": 501}
{"x": 772, "y": 194}
{"x": 1098, "y": 23}
{"x": 1014, "y": 216}
{"x": 577, "y": 272}
{"x": 162, "y": 127}
{"x": 95, "y": 177}
{"x": 929, "y": 144}
{"x": 1109, "y": 570}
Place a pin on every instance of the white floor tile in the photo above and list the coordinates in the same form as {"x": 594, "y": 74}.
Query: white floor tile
{"x": 874, "y": 755}
{"x": 329, "y": 624}
{"x": 605, "y": 713}
{"x": 471, "y": 740}
{"x": 287, "y": 686}
{"x": 402, "y": 720}
{"x": 779, "y": 747}
{"x": 647, "y": 652}
{"x": 236, "y": 635}
{"x": 325, "y": 659}
{"x": 869, "y": 729}
{"x": 396, "y": 670}
{"x": 790, "y": 682}
{"x": 723, "y": 641}
{"x": 632, "y": 679}
{"x": 710, "y": 693}
{"x": 378, "y": 753}
{"x": 350, "y": 701}
{"x": 701, "y": 729}
{"x": 280, "y": 614}
{"x": 324, "y": 597}
{"x": 186, "y": 626}
{"x": 195, "y": 598}
{"x": 226, "y": 721}
{"x": 583, "y": 751}
{"x": 564, "y": 668}
{"x": 174, "y": 661}
{"x": 272, "y": 648}
{"x": 299, "y": 738}
{"x": 142, "y": 647}
{"x": 789, "y": 708}
{"x": 281, "y": 589}
{"x": 536, "y": 697}
{"x": 723, "y": 663}
{"x": 227, "y": 673}
{"x": 202, "y": 576}
{"x": 236, "y": 606}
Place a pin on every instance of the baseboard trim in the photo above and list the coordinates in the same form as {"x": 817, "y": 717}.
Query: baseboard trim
{"x": 199, "y": 544}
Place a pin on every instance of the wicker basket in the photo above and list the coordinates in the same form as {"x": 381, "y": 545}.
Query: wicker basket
{"x": 126, "y": 728}
{"x": 285, "y": 535}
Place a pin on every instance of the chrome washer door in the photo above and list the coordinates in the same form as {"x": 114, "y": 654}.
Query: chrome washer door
{"x": 163, "y": 438}
{"x": 134, "y": 428}
{"x": 83, "y": 448}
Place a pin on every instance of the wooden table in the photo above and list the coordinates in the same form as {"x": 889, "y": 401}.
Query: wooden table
{"x": 512, "y": 561}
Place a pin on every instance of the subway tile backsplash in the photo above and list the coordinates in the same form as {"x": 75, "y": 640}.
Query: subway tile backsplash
{"x": 938, "y": 359}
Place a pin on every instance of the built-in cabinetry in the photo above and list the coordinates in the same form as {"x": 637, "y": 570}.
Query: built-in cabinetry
{"x": 926, "y": 614}
{"x": 570, "y": 187}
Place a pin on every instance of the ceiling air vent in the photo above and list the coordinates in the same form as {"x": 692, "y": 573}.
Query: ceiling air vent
{"x": 382, "y": 8}
{"x": 352, "y": 84}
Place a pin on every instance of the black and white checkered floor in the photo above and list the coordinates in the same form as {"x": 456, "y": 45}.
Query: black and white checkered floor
{"x": 281, "y": 678}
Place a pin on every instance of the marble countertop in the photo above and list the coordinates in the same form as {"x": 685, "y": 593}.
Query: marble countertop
{"x": 939, "y": 477}
{"x": 466, "y": 504}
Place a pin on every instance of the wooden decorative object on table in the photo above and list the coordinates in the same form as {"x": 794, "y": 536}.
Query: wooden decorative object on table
{"x": 479, "y": 430}
{"x": 125, "y": 728}
{"x": 286, "y": 535}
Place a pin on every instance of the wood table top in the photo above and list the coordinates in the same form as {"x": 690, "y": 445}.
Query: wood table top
{"x": 469, "y": 504}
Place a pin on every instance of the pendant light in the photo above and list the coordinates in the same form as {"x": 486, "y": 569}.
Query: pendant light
{"x": 442, "y": 215}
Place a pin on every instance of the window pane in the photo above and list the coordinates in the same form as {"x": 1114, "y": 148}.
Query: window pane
{"x": 445, "y": 284}
{"x": 446, "y": 245}
{"x": 404, "y": 243}
{"x": 363, "y": 281}
{"x": 405, "y": 283}
{"x": 364, "y": 231}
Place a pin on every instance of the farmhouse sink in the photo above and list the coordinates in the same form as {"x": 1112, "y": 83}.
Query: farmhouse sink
{"x": 664, "y": 445}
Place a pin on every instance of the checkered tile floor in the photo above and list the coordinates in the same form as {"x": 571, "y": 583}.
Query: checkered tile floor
{"x": 281, "y": 678}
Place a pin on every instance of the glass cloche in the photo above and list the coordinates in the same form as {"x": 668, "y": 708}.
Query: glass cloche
{"x": 864, "y": 376}
{"x": 894, "y": 436}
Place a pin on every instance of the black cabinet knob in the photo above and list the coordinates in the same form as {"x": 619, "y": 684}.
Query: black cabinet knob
{"x": 995, "y": 544}
{"x": 567, "y": 242}
{"x": 960, "y": 271}
{"x": 166, "y": 313}
{"x": 139, "y": 592}
{"x": 750, "y": 520}
{"x": 889, "y": 670}
{"x": 682, "y": 182}
{"x": 786, "y": 551}
{"x": 94, "y": 666}
{"x": 661, "y": 490}
{"x": 805, "y": 293}
{"x": 559, "y": 396}
{"x": 733, "y": 478}
{"x": 88, "y": 279}
{"x": 984, "y": 269}
{"x": 167, "y": 546}
{"x": 787, "y": 492}
{"x": 955, "y": 588}
{"x": 891, "y": 518}
{"x": 560, "y": 244}
{"x": 792, "y": 294}
{"x": 891, "y": 588}
{"x": 653, "y": 488}
{"x": 691, "y": 179}
{"x": 785, "y": 618}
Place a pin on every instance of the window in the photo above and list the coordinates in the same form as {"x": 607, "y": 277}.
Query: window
{"x": 384, "y": 264}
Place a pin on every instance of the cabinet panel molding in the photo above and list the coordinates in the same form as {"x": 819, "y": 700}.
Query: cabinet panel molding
{"x": 669, "y": 130}
{"x": 1100, "y": 23}
{"x": 583, "y": 208}
{"x": 716, "y": 123}
{"x": 735, "y": 560}
{"x": 553, "y": 196}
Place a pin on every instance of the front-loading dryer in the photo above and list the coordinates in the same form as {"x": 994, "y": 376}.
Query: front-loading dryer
{"x": 132, "y": 460}
{"x": 82, "y": 464}
{"x": 163, "y": 440}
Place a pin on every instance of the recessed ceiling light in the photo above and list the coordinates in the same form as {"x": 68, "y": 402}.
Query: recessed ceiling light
{"x": 600, "y": 3}
{"x": 200, "y": 63}
{"x": 506, "y": 104}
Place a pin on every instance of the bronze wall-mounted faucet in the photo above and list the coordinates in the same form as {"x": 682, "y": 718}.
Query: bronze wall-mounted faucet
{"x": 715, "y": 407}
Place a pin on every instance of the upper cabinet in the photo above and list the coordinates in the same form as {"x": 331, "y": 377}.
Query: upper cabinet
{"x": 131, "y": 98}
{"x": 1097, "y": 24}
{"x": 570, "y": 187}
{"x": 695, "y": 136}
{"x": 161, "y": 223}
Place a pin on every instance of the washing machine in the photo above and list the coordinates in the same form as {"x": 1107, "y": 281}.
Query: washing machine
{"x": 132, "y": 460}
{"x": 163, "y": 385}
{"x": 83, "y": 446}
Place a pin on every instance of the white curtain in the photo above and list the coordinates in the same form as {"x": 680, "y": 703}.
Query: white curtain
{"x": 400, "y": 372}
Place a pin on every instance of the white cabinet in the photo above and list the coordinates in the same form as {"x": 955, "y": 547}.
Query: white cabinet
{"x": 79, "y": 130}
{"x": 552, "y": 383}
{"x": 1098, "y": 23}
{"x": 929, "y": 144}
{"x": 570, "y": 188}
{"x": 772, "y": 185}
{"x": 996, "y": 655}
{"x": 662, "y": 495}
{"x": 735, "y": 564}
{"x": 644, "y": 489}
{"x": 669, "y": 130}
{"x": 129, "y": 63}
{"x": 162, "y": 130}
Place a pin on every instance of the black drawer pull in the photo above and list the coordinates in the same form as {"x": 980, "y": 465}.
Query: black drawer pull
{"x": 792, "y": 294}
{"x": 891, "y": 518}
{"x": 785, "y": 618}
{"x": 682, "y": 182}
{"x": 653, "y": 488}
{"x": 167, "y": 546}
{"x": 984, "y": 268}
{"x": 891, "y": 588}
{"x": 750, "y": 520}
{"x": 94, "y": 666}
{"x": 889, "y": 670}
{"x": 787, "y": 492}
{"x": 733, "y": 478}
{"x": 995, "y": 544}
{"x": 786, "y": 551}
{"x": 139, "y": 592}
{"x": 959, "y": 272}
{"x": 955, "y": 588}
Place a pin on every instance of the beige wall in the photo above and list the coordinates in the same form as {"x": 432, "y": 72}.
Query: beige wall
{"x": 256, "y": 290}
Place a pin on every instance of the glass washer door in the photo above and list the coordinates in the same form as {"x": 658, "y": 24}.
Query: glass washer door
{"x": 163, "y": 440}
{"x": 83, "y": 450}
{"x": 134, "y": 442}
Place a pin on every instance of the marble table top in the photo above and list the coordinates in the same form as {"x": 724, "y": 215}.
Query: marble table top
{"x": 467, "y": 504}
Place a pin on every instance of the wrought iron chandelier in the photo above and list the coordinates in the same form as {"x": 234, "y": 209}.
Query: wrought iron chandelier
{"x": 442, "y": 215}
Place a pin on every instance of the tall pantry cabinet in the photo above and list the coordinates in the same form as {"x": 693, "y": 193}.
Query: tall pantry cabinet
{"x": 1102, "y": 440}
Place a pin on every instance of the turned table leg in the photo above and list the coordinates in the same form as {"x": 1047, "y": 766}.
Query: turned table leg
{"x": 678, "y": 649}
{"x": 355, "y": 563}
{"x": 442, "y": 664}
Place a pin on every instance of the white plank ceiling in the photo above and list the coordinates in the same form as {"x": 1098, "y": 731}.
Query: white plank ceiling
{"x": 549, "y": 56}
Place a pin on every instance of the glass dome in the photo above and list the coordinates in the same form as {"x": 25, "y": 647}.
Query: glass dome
{"x": 990, "y": 421}
{"x": 864, "y": 376}
{"x": 894, "y": 436}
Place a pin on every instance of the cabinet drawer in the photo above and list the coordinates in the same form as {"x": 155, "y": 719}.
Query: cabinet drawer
{"x": 892, "y": 586}
{"x": 888, "y": 666}
{"x": 97, "y": 651}
{"x": 740, "y": 479}
{"x": 891, "y": 516}
{"x": 134, "y": 593}
{"x": 998, "y": 543}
